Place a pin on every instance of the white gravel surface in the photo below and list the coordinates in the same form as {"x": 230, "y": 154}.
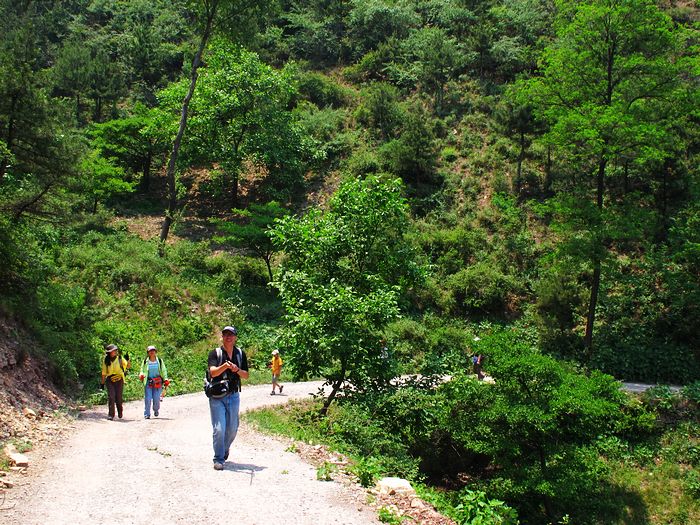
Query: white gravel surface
{"x": 159, "y": 471}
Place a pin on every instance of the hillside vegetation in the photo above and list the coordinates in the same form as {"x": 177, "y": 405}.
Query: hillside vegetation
{"x": 376, "y": 188}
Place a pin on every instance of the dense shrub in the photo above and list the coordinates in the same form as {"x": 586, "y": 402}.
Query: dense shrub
{"x": 483, "y": 287}
{"x": 646, "y": 330}
{"x": 320, "y": 89}
{"x": 537, "y": 424}
{"x": 371, "y": 22}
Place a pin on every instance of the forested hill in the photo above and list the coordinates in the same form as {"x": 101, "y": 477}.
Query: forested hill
{"x": 375, "y": 187}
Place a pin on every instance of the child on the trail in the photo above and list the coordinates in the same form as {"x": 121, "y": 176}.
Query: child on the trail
{"x": 276, "y": 368}
{"x": 155, "y": 374}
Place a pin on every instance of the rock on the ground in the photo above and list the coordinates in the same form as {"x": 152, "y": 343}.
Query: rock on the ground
{"x": 394, "y": 486}
{"x": 17, "y": 459}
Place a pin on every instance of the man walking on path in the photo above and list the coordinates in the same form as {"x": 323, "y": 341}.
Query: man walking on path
{"x": 227, "y": 363}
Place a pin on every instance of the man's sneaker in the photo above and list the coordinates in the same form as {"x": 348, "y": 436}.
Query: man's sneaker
{"x": 147, "y": 417}
{"x": 155, "y": 414}
{"x": 281, "y": 387}
{"x": 272, "y": 393}
{"x": 218, "y": 466}
{"x": 111, "y": 418}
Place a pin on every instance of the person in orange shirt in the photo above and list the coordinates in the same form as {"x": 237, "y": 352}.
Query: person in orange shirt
{"x": 276, "y": 367}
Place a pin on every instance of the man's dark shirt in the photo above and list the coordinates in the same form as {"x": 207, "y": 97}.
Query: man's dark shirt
{"x": 239, "y": 358}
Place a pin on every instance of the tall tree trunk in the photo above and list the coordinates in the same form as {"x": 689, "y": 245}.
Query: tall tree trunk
{"x": 545, "y": 499}
{"x": 146, "y": 177}
{"x": 97, "y": 117}
{"x": 170, "y": 173}
{"x": 521, "y": 157}
{"x": 595, "y": 284}
{"x": 9, "y": 137}
{"x": 334, "y": 391}
{"x": 77, "y": 109}
{"x": 548, "y": 173}
{"x": 269, "y": 266}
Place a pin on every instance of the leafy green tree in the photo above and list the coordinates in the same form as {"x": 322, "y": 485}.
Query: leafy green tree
{"x": 412, "y": 155}
{"x": 72, "y": 72}
{"x": 314, "y": 30}
{"x": 517, "y": 120}
{"x": 242, "y": 112}
{"x": 238, "y": 17}
{"x": 340, "y": 281}
{"x": 101, "y": 178}
{"x": 380, "y": 110}
{"x": 430, "y": 59}
{"x": 371, "y": 22}
{"x": 536, "y": 425}
{"x": 523, "y": 26}
{"x": 135, "y": 142}
{"x": 41, "y": 151}
{"x": 606, "y": 89}
{"x": 254, "y": 233}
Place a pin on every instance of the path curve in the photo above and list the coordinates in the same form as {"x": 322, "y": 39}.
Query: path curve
{"x": 138, "y": 471}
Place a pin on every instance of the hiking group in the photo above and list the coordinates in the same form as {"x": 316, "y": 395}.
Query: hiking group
{"x": 226, "y": 366}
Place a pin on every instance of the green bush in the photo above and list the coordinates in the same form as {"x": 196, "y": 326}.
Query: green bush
{"x": 367, "y": 469}
{"x": 321, "y": 90}
{"x": 537, "y": 424}
{"x": 691, "y": 483}
{"x": 475, "y": 507}
{"x": 366, "y": 436}
{"x": 484, "y": 288}
{"x": 449, "y": 154}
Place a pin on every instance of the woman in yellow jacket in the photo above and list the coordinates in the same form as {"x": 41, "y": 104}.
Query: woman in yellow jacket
{"x": 114, "y": 369}
{"x": 276, "y": 367}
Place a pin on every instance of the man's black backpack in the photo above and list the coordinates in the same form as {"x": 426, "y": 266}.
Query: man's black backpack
{"x": 218, "y": 387}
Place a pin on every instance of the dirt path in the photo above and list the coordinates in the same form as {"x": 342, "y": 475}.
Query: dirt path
{"x": 138, "y": 471}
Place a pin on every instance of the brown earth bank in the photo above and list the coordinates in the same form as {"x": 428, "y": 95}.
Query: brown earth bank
{"x": 32, "y": 409}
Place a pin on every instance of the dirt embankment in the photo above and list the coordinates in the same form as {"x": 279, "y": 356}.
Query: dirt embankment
{"x": 29, "y": 403}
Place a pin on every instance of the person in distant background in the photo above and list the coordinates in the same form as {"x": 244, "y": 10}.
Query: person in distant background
{"x": 114, "y": 369}
{"x": 478, "y": 363}
{"x": 154, "y": 374}
{"x": 227, "y": 363}
{"x": 276, "y": 367}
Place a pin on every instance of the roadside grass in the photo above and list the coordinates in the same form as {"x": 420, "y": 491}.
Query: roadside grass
{"x": 286, "y": 420}
{"x": 663, "y": 498}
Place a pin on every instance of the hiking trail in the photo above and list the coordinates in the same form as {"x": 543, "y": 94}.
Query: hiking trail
{"x": 138, "y": 471}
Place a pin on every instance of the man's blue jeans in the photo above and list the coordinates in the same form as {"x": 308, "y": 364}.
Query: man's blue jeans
{"x": 224, "y": 422}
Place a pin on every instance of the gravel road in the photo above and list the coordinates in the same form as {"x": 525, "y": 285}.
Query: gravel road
{"x": 159, "y": 471}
